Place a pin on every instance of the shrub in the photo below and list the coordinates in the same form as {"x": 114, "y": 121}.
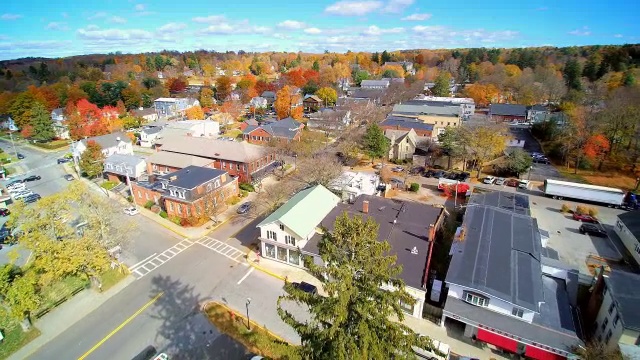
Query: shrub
{"x": 592, "y": 211}
{"x": 247, "y": 187}
{"x": 108, "y": 185}
{"x": 163, "y": 214}
{"x": 233, "y": 200}
{"x": 130, "y": 198}
{"x": 565, "y": 208}
{"x": 243, "y": 193}
{"x": 149, "y": 204}
{"x": 414, "y": 187}
{"x": 176, "y": 220}
{"x": 582, "y": 210}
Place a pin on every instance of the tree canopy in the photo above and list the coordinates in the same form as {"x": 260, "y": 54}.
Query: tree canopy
{"x": 375, "y": 143}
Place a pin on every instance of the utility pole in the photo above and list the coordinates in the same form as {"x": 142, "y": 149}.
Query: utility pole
{"x": 13, "y": 144}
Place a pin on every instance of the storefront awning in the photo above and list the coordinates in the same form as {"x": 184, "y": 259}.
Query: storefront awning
{"x": 497, "y": 340}
{"x": 540, "y": 354}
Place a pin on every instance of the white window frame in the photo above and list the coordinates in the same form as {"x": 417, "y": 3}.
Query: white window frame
{"x": 604, "y": 324}
{"x": 290, "y": 240}
{"x": 517, "y": 312}
{"x": 209, "y": 186}
{"x": 272, "y": 235}
{"x": 282, "y": 227}
{"x": 476, "y": 300}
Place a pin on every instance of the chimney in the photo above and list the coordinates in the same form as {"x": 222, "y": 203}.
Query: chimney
{"x": 118, "y": 139}
{"x": 365, "y": 206}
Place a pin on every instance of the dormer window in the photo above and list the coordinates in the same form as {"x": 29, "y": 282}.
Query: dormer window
{"x": 217, "y": 183}
{"x": 164, "y": 185}
{"x": 182, "y": 194}
{"x": 172, "y": 192}
{"x": 209, "y": 187}
{"x": 475, "y": 299}
{"x": 517, "y": 312}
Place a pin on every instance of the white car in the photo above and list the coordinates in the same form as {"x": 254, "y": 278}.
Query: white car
{"x": 489, "y": 180}
{"x": 523, "y": 184}
{"x": 16, "y": 187}
{"x": 500, "y": 181}
{"x": 131, "y": 211}
{"x": 22, "y": 194}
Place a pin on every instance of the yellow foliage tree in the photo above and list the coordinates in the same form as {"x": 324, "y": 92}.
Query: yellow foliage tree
{"x": 288, "y": 104}
{"x": 482, "y": 94}
{"x": 195, "y": 113}
{"x": 512, "y": 70}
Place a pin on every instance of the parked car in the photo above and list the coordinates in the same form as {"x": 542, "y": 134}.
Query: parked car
{"x": 500, "y": 181}
{"x": 306, "y": 287}
{"x": 585, "y": 218}
{"x": 416, "y": 170}
{"x": 244, "y": 208}
{"x": 398, "y": 169}
{"x": 523, "y": 184}
{"x": 20, "y": 156}
{"x": 541, "y": 160}
{"x": 440, "y": 173}
{"x": 463, "y": 176}
{"x": 489, "y": 180}
{"x": 31, "y": 178}
{"x": 5, "y": 234}
{"x": 592, "y": 229}
{"x": 131, "y": 211}
{"x": 378, "y": 166}
{"x": 63, "y": 160}
{"x": 16, "y": 188}
{"x": 429, "y": 173}
{"x": 69, "y": 177}
{"x": 512, "y": 182}
{"x": 5, "y": 212}
{"x": 22, "y": 195}
{"x": 14, "y": 182}
{"x": 452, "y": 176}
{"x": 31, "y": 198}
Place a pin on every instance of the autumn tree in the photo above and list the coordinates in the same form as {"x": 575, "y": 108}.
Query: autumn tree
{"x": 451, "y": 143}
{"x": 288, "y": 103}
{"x": 131, "y": 122}
{"x": 328, "y": 95}
{"x": 442, "y": 86}
{"x": 516, "y": 162}
{"x": 482, "y": 94}
{"x": 485, "y": 143}
{"x": 195, "y": 113}
{"x": 317, "y": 170}
{"x": 176, "y": 85}
{"x": 41, "y": 123}
{"x": 572, "y": 71}
{"x": 132, "y": 96}
{"x": 364, "y": 293}
{"x": 376, "y": 143}
{"x": 223, "y": 87}
{"x": 596, "y": 148}
{"x": 206, "y": 97}
{"x": 92, "y": 159}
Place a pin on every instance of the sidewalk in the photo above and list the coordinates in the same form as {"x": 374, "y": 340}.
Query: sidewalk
{"x": 66, "y": 315}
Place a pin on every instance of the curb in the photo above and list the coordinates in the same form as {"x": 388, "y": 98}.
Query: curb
{"x": 179, "y": 232}
{"x": 259, "y": 268}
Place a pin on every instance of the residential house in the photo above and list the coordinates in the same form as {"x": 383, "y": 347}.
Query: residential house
{"x": 147, "y": 115}
{"x": 58, "y": 121}
{"x": 247, "y": 161}
{"x": 115, "y": 143}
{"x": 258, "y": 102}
{"x": 312, "y": 103}
{"x": 508, "y": 112}
{"x": 397, "y": 81}
{"x": 164, "y": 162}
{"x": 248, "y": 122}
{"x": 329, "y": 119}
{"x": 270, "y": 96}
{"x": 402, "y": 144}
{"x": 7, "y": 123}
{"x": 536, "y": 111}
{"x": 439, "y": 116}
{"x": 286, "y": 129}
{"x": 118, "y": 167}
{"x": 422, "y": 108}
{"x": 403, "y": 123}
{"x": 148, "y": 136}
{"x": 173, "y": 107}
{"x": 344, "y": 84}
{"x": 375, "y": 84}
{"x": 192, "y": 192}
{"x": 288, "y": 229}
{"x": 613, "y": 313}
{"x": 406, "y": 65}
{"x": 628, "y": 229}
{"x": 501, "y": 290}
{"x": 352, "y": 184}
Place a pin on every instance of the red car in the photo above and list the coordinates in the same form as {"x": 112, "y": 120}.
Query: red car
{"x": 585, "y": 218}
{"x": 512, "y": 182}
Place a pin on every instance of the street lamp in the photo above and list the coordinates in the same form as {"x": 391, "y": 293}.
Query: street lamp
{"x": 529, "y": 176}
{"x": 13, "y": 144}
{"x": 295, "y": 161}
{"x": 248, "y": 319}
{"x": 126, "y": 174}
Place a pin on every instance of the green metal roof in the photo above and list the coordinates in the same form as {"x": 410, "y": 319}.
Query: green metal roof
{"x": 304, "y": 211}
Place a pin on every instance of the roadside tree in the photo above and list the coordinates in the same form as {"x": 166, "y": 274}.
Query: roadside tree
{"x": 92, "y": 159}
{"x": 451, "y": 143}
{"x": 195, "y": 113}
{"x": 484, "y": 143}
{"x": 375, "y": 143}
{"x": 41, "y": 122}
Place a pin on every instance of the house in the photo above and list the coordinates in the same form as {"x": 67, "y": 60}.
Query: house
{"x": 248, "y": 122}
{"x": 190, "y": 193}
{"x": 7, "y": 123}
{"x": 352, "y": 184}
{"x": 614, "y": 313}
{"x": 628, "y": 229}
{"x": 58, "y": 121}
{"x": 247, "y": 161}
{"x": 375, "y": 84}
{"x": 329, "y": 119}
{"x": 344, "y": 84}
{"x": 406, "y": 65}
{"x": 258, "y": 102}
{"x": 115, "y": 143}
{"x": 286, "y": 129}
{"x": 536, "y": 111}
{"x": 118, "y": 167}
{"x": 501, "y": 290}
{"x": 414, "y": 109}
{"x": 403, "y": 123}
{"x": 508, "y": 112}
{"x": 173, "y": 107}
{"x": 312, "y": 103}
{"x": 148, "y": 115}
{"x": 293, "y": 224}
{"x": 402, "y": 144}
{"x": 164, "y": 162}
{"x": 369, "y": 95}
{"x": 270, "y": 96}
{"x": 149, "y": 135}
{"x": 397, "y": 81}
{"x": 195, "y": 128}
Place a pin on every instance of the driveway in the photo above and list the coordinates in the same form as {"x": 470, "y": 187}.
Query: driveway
{"x": 539, "y": 172}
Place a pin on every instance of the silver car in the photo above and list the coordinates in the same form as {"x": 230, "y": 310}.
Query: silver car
{"x": 500, "y": 181}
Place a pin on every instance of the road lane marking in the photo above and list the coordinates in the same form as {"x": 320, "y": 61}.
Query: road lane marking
{"x": 150, "y": 264}
{"x": 142, "y": 262}
{"x": 246, "y": 275}
{"x": 222, "y": 248}
{"x": 124, "y": 323}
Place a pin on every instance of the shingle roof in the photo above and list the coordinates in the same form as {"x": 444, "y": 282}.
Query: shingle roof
{"x": 130, "y": 162}
{"x": 397, "y": 135}
{"x": 624, "y": 287}
{"x": 304, "y": 211}
{"x": 366, "y": 83}
{"x": 108, "y": 140}
{"x": 191, "y": 176}
{"x": 426, "y": 109}
{"x": 313, "y": 97}
{"x": 372, "y": 94}
{"x": 513, "y": 202}
{"x": 406, "y": 123}
{"x": 498, "y": 254}
{"x": 631, "y": 219}
{"x": 151, "y": 130}
{"x": 214, "y": 148}
{"x": 268, "y": 94}
{"x": 538, "y": 107}
{"x": 285, "y": 128}
{"x": 508, "y": 109}
{"x": 176, "y": 160}
{"x": 143, "y": 112}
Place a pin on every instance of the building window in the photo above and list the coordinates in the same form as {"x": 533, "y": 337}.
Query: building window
{"x": 179, "y": 209}
{"x": 269, "y": 250}
{"x": 616, "y": 320}
{"x": 172, "y": 192}
{"x": 638, "y": 248}
{"x": 611, "y": 307}
{"x": 604, "y": 290}
{"x": 608, "y": 337}
{"x": 237, "y": 166}
{"x": 408, "y": 308}
{"x": 146, "y": 195}
{"x": 294, "y": 257}
{"x": 281, "y": 227}
{"x": 182, "y": 194}
{"x": 217, "y": 183}
{"x": 209, "y": 187}
{"x": 604, "y": 324}
{"x": 170, "y": 205}
{"x": 272, "y": 235}
{"x": 139, "y": 194}
{"x": 290, "y": 240}
{"x": 476, "y": 299}
{"x": 282, "y": 254}
{"x": 517, "y": 312}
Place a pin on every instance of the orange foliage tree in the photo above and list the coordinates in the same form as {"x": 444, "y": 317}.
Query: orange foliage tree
{"x": 176, "y": 84}
{"x": 596, "y": 148}
{"x": 482, "y": 94}
{"x": 86, "y": 119}
{"x": 195, "y": 113}
{"x": 288, "y": 104}
{"x": 223, "y": 87}
{"x": 233, "y": 108}
{"x": 295, "y": 77}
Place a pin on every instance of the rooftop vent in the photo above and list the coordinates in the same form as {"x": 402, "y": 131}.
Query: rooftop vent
{"x": 118, "y": 138}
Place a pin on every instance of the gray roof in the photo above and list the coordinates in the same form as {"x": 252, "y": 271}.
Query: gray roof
{"x": 214, "y": 148}
{"x": 631, "y": 219}
{"x": 410, "y": 230}
{"x": 397, "y": 135}
{"x": 508, "y": 109}
{"x": 268, "y": 94}
{"x": 624, "y": 287}
{"x": 538, "y": 107}
{"x": 513, "y": 202}
{"x": 372, "y": 94}
{"x": 440, "y": 103}
{"x": 143, "y": 112}
{"x": 286, "y": 128}
{"x": 426, "y": 110}
{"x": 151, "y": 130}
{"x": 406, "y": 123}
{"x": 499, "y": 255}
{"x": 129, "y": 162}
{"x": 191, "y": 176}
{"x": 177, "y": 160}
{"x": 374, "y": 83}
{"x": 57, "y": 112}
{"x": 108, "y": 140}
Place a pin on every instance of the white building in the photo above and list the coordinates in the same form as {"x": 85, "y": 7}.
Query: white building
{"x": 353, "y": 184}
{"x": 58, "y": 121}
{"x": 467, "y": 105}
{"x": 375, "y": 84}
{"x": 628, "y": 229}
{"x": 115, "y": 143}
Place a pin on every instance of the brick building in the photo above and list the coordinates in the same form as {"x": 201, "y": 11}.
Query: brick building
{"x": 286, "y": 129}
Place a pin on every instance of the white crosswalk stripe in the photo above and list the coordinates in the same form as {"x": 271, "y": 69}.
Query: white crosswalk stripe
{"x": 222, "y": 248}
{"x": 140, "y": 270}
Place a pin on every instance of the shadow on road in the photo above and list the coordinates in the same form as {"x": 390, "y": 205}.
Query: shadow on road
{"x": 185, "y": 333}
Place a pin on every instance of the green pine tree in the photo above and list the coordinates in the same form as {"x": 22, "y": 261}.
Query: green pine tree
{"x": 41, "y": 122}
{"x": 316, "y": 65}
{"x": 442, "y": 87}
{"x": 353, "y": 321}
{"x": 92, "y": 159}
{"x": 375, "y": 143}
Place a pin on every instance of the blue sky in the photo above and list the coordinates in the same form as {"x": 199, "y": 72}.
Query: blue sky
{"x": 65, "y": 27}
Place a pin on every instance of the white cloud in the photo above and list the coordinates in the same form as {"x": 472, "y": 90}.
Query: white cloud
{"x": 397, "y": 6}
{"x": 617, "y": 35}
{"x": 584, "y": 31}
{"x": 312, "y": 31}
{"x": 92, "y": 27}
{"x": 60, "y": 26}
{"x": 209, "y": 19}
{"x": 353, "y": 8}
{"x": 228, "y": 28}
{"x": 376, "y": 31}
{"x": 139, "y": 7}
{"x": 417, "y": 17}
{"x": 171, "y": 27}
{"x": 292, "y": 25}
{"x": 442, "y": 36}
{"x": 10, "y": 16}
{"x": 98, "y": 15}
{"x": 114, "y": 34}
{"x": 117, "y": 20}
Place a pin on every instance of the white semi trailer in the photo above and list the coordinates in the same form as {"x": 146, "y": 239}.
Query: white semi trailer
{"x": 599, "y": 194}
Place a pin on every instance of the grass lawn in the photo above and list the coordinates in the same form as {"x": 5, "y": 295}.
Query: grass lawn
{"x": 233, "y": 133}
{"x": 108, "y": 185}
{"x": 112, "y": 277}
{"x": 53, "y": 144}
{"x": 14, "y": 337}
{"x": 58, "y": 292}
{"x": 594, "y": 177}
{"x": 258, "y": 340}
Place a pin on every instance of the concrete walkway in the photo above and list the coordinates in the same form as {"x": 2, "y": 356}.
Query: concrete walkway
{"x": 66, "y": 315}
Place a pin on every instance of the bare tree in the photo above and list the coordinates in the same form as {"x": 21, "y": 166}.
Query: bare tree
{"x": 321, "y": 169}
{"x": 269, "y": 198}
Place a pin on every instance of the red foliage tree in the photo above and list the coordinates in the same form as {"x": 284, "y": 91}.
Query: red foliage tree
{"x": 311, "y": 75}
{"x": 295, "y": 77}
{"x": 596, "y": 147}
{"x": 262, "y": 86}
{"x": 175, "y": 85}
{"x": 27, "y": 131}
